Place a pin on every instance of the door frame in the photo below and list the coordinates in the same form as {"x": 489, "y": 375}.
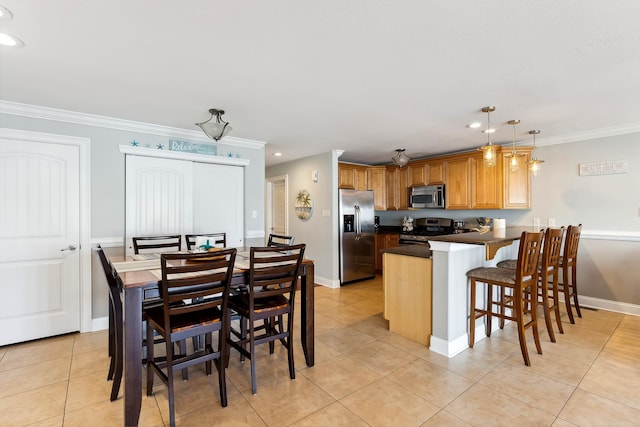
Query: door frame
{"x": 84, "y": 145}
{"x": 269, "y": 202}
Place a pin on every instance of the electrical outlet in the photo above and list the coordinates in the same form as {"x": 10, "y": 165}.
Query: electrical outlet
{"x": 254, "y": 214}
{"x": 552, "y": 222}
{"x": 326, "y": 212}
{"x": 536, "y": 222}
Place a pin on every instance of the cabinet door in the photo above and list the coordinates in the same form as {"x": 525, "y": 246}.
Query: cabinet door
{"x": 346, "y": 176}
{"x": 391, "y": 176}
{"x": 402, "y": 189}
{"x": 360, "y": 174}
{"x": 434, "y": 172}
{"x": 458, "y": 187}
{"x": 416, "y": 173}
{"x": 517, "y": 185}
{"x": 376, "y": 180}
{"x": 486, "y": 187}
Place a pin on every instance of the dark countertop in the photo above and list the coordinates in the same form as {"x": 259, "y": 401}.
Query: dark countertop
{"x": 389, "y": 229}
{"x": 420, "y": 251}
{"x": 491, "y": 237}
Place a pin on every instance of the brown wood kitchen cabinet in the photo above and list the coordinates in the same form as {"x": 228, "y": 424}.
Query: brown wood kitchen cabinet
{"x": 352, "y": 176}
{"x": 486, "y": 183}
{"x": 384, "y": 241}
{"x": 376, "y": 179}
{"x": 434, "y": 172}
{"x": 457, "y": 183}
{"x": 517, "y": 185}
{"x": 417, "y": 173}
{"x": 397, "y": 190}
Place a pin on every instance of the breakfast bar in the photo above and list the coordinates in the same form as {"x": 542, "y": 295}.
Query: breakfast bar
{"x": 451, "y": 257}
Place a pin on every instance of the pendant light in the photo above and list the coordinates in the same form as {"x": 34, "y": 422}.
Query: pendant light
{"x": 534, "y": 164}
{"x": 514, "y": 156}
{"x": 215, "y": 129}
{"x": 489, "y": 150}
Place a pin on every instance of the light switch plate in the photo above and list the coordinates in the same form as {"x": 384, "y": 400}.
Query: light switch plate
{"x": 326, "y": 212}
{"x": 536, "y": 222}
{"x": 552, "y": 222}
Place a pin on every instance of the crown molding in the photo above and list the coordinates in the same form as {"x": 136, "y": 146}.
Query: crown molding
{"x": 589, "y": 134}
{"x": 47, "y": 113}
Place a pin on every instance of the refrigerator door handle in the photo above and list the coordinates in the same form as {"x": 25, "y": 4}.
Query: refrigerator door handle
{"x": 358, "y": 227}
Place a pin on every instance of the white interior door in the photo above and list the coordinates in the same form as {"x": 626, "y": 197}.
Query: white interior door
{"x": 277, "y": 221}
{"x": 39, "y": 240}
{"x": 218, "y": 201}
{"x": 159, "y": 197}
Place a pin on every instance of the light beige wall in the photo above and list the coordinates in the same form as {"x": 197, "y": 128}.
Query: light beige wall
{"x": 318, "y": 232}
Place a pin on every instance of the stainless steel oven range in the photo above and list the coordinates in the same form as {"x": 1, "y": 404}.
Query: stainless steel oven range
{"x": 424, "y": 228}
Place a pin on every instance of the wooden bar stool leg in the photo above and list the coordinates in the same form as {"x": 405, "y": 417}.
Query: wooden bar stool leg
{"x": 574, "y": 290}
{"x": 489, "y": 310}
{"x": 566, "y": 287}
{"x": 544, "y": 293}
{"x": 519, "y": 315}
{"x": 472, "y": 313}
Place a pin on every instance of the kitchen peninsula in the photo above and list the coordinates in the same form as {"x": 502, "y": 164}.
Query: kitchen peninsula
{"x": 451, "y": 257}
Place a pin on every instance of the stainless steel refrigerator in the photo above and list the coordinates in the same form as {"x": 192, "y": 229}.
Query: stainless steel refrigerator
{"x": 357, "y": 240}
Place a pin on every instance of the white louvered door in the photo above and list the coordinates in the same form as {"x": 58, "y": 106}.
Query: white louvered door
{"x": 39, "y": 240}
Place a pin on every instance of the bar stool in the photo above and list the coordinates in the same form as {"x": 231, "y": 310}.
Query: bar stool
{"x": 523, "y": 282}
{"x": 569, "y": 263}
{"x": 548, "y": 283}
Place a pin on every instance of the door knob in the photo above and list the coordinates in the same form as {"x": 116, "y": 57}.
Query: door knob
{"x": 69, "y": 248}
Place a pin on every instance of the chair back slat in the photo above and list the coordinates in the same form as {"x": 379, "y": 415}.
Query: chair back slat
{"x": 216, "y": 239}
{"x": 203, "y": 279}
{"x": 571, "y": 243}
{"x": 278, "y": 240}
{"x": 157, "y": 242}
{"x": 552, "y": 248}
{"x": 274, "y": 271}
{"x": 528, "y": 257}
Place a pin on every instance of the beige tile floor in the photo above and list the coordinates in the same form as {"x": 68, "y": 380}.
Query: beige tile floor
{"x": 364, "y": 376}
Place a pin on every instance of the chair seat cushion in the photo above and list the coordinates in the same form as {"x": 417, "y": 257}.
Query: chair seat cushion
{"x": 493, "y": 274}
{"x": 187, "y": 320}
{"x": 508, "y": 263}
{"x": 260, "y": 304}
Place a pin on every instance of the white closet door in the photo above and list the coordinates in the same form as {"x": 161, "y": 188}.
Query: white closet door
{"x": 219, "y": 201}
{"x": 159, "y": 197}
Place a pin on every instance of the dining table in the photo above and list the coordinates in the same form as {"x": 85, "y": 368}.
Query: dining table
{"x": 140, "y": 282}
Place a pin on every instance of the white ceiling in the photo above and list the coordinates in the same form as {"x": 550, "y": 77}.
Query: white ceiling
{"x": 364, "y": 76}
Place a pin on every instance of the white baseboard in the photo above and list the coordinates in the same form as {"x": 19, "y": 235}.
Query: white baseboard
{"x": 99, "y": 324}
{"x": 604, "y": 304}
{"x": 449, "y": 348}
{"x": 333, "y": 284}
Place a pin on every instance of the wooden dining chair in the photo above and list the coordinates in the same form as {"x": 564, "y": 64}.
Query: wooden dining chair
{"x": 204, "y": 281}
{"x": 273, "y": 275}
{"x": 277, "y": 240}
{"x": 116, "y": 335}
{"x": 217, "y": 239}
{"x": 569, "y": 264}
{"x": 157, "y": 243}
{"x": 521, "y": 283}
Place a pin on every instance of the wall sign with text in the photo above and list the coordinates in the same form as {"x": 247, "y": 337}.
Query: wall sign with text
{"x": 604, "y": 168}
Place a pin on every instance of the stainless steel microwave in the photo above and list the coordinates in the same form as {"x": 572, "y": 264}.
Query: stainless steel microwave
{"x": 426, "y": 196}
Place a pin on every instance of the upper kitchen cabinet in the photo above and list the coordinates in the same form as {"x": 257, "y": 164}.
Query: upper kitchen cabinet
{"x": 434, "y": 172}
{"x": 397, "y": 189}
{"x": 486, "y": 183}
{"x": 352, "y": 176}
{"x": 377, "y": 181}
{"x": 457, "y": 182}
{"x": 416, "y": 173}
{"x": 517, "y": 185}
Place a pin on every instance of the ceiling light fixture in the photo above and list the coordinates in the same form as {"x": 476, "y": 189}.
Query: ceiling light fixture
{"x": 400, "y": 159}
{"x": 534, "y": 164}
{"x": 474, "y": 125}
{"x": 5, "y": 14}
{"x": 489, "y": 150}
{"x": 514, "y": 163}
{"x": 10, "y": 41}
{"x": 217, "y": 129}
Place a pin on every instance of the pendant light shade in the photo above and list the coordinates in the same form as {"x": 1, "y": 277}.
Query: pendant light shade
{"x": 514, "y": 156}
{"x": 534, "y": 164}
{"x": 488, "y": 150}
{"x": 400, "y": 159}
{"x": 215, "y": 129}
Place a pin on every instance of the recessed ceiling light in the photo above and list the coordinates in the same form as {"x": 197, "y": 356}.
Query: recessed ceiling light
{"x": 492, "y": 130}
{"x": 474, "y": 125}
{"x": 5, "y": 14}
{"x": 11, "y": 41}
{"x": 277, "y": 154}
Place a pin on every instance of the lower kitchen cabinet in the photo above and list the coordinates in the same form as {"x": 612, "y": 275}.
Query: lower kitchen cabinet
{"x": 384, "y": 241}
